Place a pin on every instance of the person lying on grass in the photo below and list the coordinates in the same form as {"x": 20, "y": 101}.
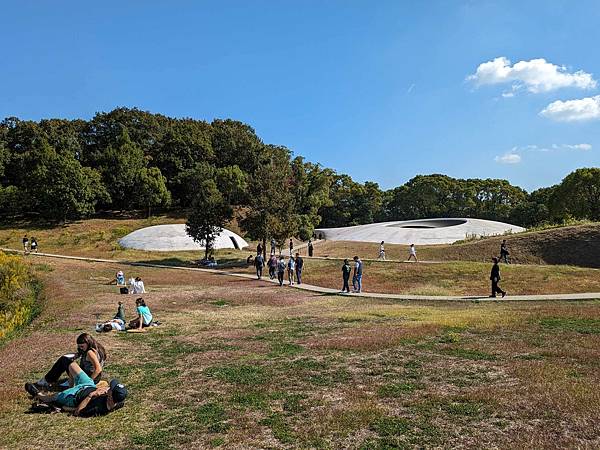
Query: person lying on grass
{"x": 84, "y": 398}
{"x": 144, "y": 318}
{"x": 91, "y": 360}
{"x": 110, "y": 325}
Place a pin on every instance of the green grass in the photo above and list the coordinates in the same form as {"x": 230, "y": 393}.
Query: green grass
{"x": 572, "y": 324}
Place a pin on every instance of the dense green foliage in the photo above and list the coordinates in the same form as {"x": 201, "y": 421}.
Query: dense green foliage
{"x": 130, "y": 159}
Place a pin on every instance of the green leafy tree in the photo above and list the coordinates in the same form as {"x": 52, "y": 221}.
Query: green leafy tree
{"x": 151, "y": 189}
{"x": 578, "y": 195}
{"x": 209, "y": 214}
{"x": 271, "y": 203}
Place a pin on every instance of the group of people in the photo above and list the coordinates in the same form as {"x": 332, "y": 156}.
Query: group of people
{"x": 135, "y": 285}
{"x": 30, "y": 244}
{"x": 356, "y": 277}
{"x": 412, "y": 252}
{"x": 83, "y": 392}
{"x": 144, "y": 318}
{"x": 278, "y": 267}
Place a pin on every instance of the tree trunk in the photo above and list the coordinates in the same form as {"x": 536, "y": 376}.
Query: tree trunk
{"x": 264, "y": 242}
{"x": 206, "y": 246}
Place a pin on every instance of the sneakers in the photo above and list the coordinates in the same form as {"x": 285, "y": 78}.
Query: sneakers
{"x": 31, "y": 389}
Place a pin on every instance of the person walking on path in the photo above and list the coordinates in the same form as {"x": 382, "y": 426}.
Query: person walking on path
{"x": 413, "y": 253}
{"x": 259, "y": 263}
{"x": 299, "y": 267}
{"x": 495, "y": 277}
{"x": 25, "y": 243}
{"x": 291, "y": 247}
{"x": 280, "y": 270}
{"x": 381, "y": 251}
{"x": 272, "y": 266}
{"x": 273, "y": 246}
{"x": 346, "y": 269}
{"x": 33, "y": 245}
{"x": 310, "y": 248}
{"x": 291, "y": 267}
{"x": 504, "y": 252}
{"x": 259, "y": 249}
{"x": 357, "y": 278}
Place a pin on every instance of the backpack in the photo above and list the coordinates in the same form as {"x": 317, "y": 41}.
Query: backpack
{"x": 124, "y": 290}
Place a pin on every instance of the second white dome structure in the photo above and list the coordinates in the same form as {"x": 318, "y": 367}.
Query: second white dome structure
{"x": 419, "y": 232}
{"x": 165, "y": 238}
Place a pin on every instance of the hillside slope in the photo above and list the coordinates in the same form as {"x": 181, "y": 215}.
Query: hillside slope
{"x": 576, "y": 245}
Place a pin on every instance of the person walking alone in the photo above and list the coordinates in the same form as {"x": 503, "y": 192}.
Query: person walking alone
{"x": 357, "y": 278}
{"x": 381, "y": 251}
{"x": 413, "y": 253}
{"x": 504, "y": 252}
{"x": 346, "y": 269}
{"x": 299, "y": 267}
{"x": 310, "y": 248}
{"x": 273, "y": 246}
{"x": 495, "y": 277}
{"x": 291, "y": 247}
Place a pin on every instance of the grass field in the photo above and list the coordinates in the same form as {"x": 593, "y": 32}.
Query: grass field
{"x": 245, "y": 364}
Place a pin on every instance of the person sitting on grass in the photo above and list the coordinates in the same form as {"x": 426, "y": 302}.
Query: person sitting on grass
{"x": 83, "y": 399}
{"x": 144, "y": 318}
{"x": 92, "y": 356}
{"x": 137, "y": 286}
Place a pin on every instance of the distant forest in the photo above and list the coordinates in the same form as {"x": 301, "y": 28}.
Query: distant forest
{"x": 129, "y": 159}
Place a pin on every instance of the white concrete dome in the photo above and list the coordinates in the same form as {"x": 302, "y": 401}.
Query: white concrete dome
{"x": 419, "y": 232}
{"x": 164, "y": 238}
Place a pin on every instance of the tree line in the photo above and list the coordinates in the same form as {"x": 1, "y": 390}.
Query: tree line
{"x": 128, "y": 159}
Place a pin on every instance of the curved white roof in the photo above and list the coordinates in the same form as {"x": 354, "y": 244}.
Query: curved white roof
{"x": 173, "y": 237}
{"x": 420, "y": 232}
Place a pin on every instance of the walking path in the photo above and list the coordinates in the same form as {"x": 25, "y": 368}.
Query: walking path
{"x": 329, "y": 291}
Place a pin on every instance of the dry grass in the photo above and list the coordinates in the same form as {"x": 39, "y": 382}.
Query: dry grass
{"x": 245, "y": 364}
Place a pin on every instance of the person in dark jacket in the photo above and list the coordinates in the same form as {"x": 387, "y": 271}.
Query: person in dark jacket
{"x": 346, "y": 269}
{"x": 310, "y": 248}
{"x": 299, "y": 267}
{"x": 495, "y": 277}
{"x": 259, "y": 263}
{"x": 504, "y": 251}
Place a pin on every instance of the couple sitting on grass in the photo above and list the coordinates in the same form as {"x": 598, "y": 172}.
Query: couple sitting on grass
{"x": 83, "y": 394}
{"x": 144, "y": 318}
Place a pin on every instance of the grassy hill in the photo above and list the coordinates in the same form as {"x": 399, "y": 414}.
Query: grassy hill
{"x": 573, "y": 245}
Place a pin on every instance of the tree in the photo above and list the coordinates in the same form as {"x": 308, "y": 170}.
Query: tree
{"x": 210, "y": 213}
{"x": 578, "y": 195}
{"x": 151, "y": 189}
{"x": 271, "y": 202}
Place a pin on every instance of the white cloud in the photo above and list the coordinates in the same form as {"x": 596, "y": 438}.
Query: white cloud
{"x": 573, "y": 110}
{"x": 584, "y": 147}
{"x": 536, "y": 75}
{"x": 509, "y": 157}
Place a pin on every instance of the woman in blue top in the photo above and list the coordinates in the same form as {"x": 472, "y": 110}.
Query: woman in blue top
{"x": 144, "y": 318}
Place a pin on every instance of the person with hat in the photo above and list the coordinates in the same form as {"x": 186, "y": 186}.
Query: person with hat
{"x": 84, "y": 398}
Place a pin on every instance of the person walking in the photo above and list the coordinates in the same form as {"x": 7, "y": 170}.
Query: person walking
{"x": 273, "y": 246}
{"x": 504, "y": 252}
{"x": 346, "y": 269}
{"x": 25, "y": 243}
{"x": 33, "y": 245}
{"x": 357, "y": 278}
{"x": 495, "y": 277}
{"x": 280, "y": 270}
{"x": 291, "y": 247}
{"x": 272, "y": 266}
{"x": 291, "y": 268}
{"x": 259, "y": 249}
{"x": 299, "y": 266}
{"x": 259, "y": 263}
{"x": 381, "y": 251}
{"x": 412, "y": 253}
{"x": 310, "y": 248}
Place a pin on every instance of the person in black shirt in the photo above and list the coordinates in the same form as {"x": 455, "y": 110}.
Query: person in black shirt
{"x": 346, "y": 269}
{"x": 504, "y": 251}
{"x": 310, "y": 248}
{"x": 495, "y": 277}
{"x": 299, "y": 267}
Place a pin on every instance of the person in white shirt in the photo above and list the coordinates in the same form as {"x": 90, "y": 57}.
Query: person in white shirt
{"x": 413, "y": 253}
{"x": 382, "y": 251}
{"x": 137, "y": 286}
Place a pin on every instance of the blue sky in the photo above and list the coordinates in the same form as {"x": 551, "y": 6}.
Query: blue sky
{"x": 378, "y": 90}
